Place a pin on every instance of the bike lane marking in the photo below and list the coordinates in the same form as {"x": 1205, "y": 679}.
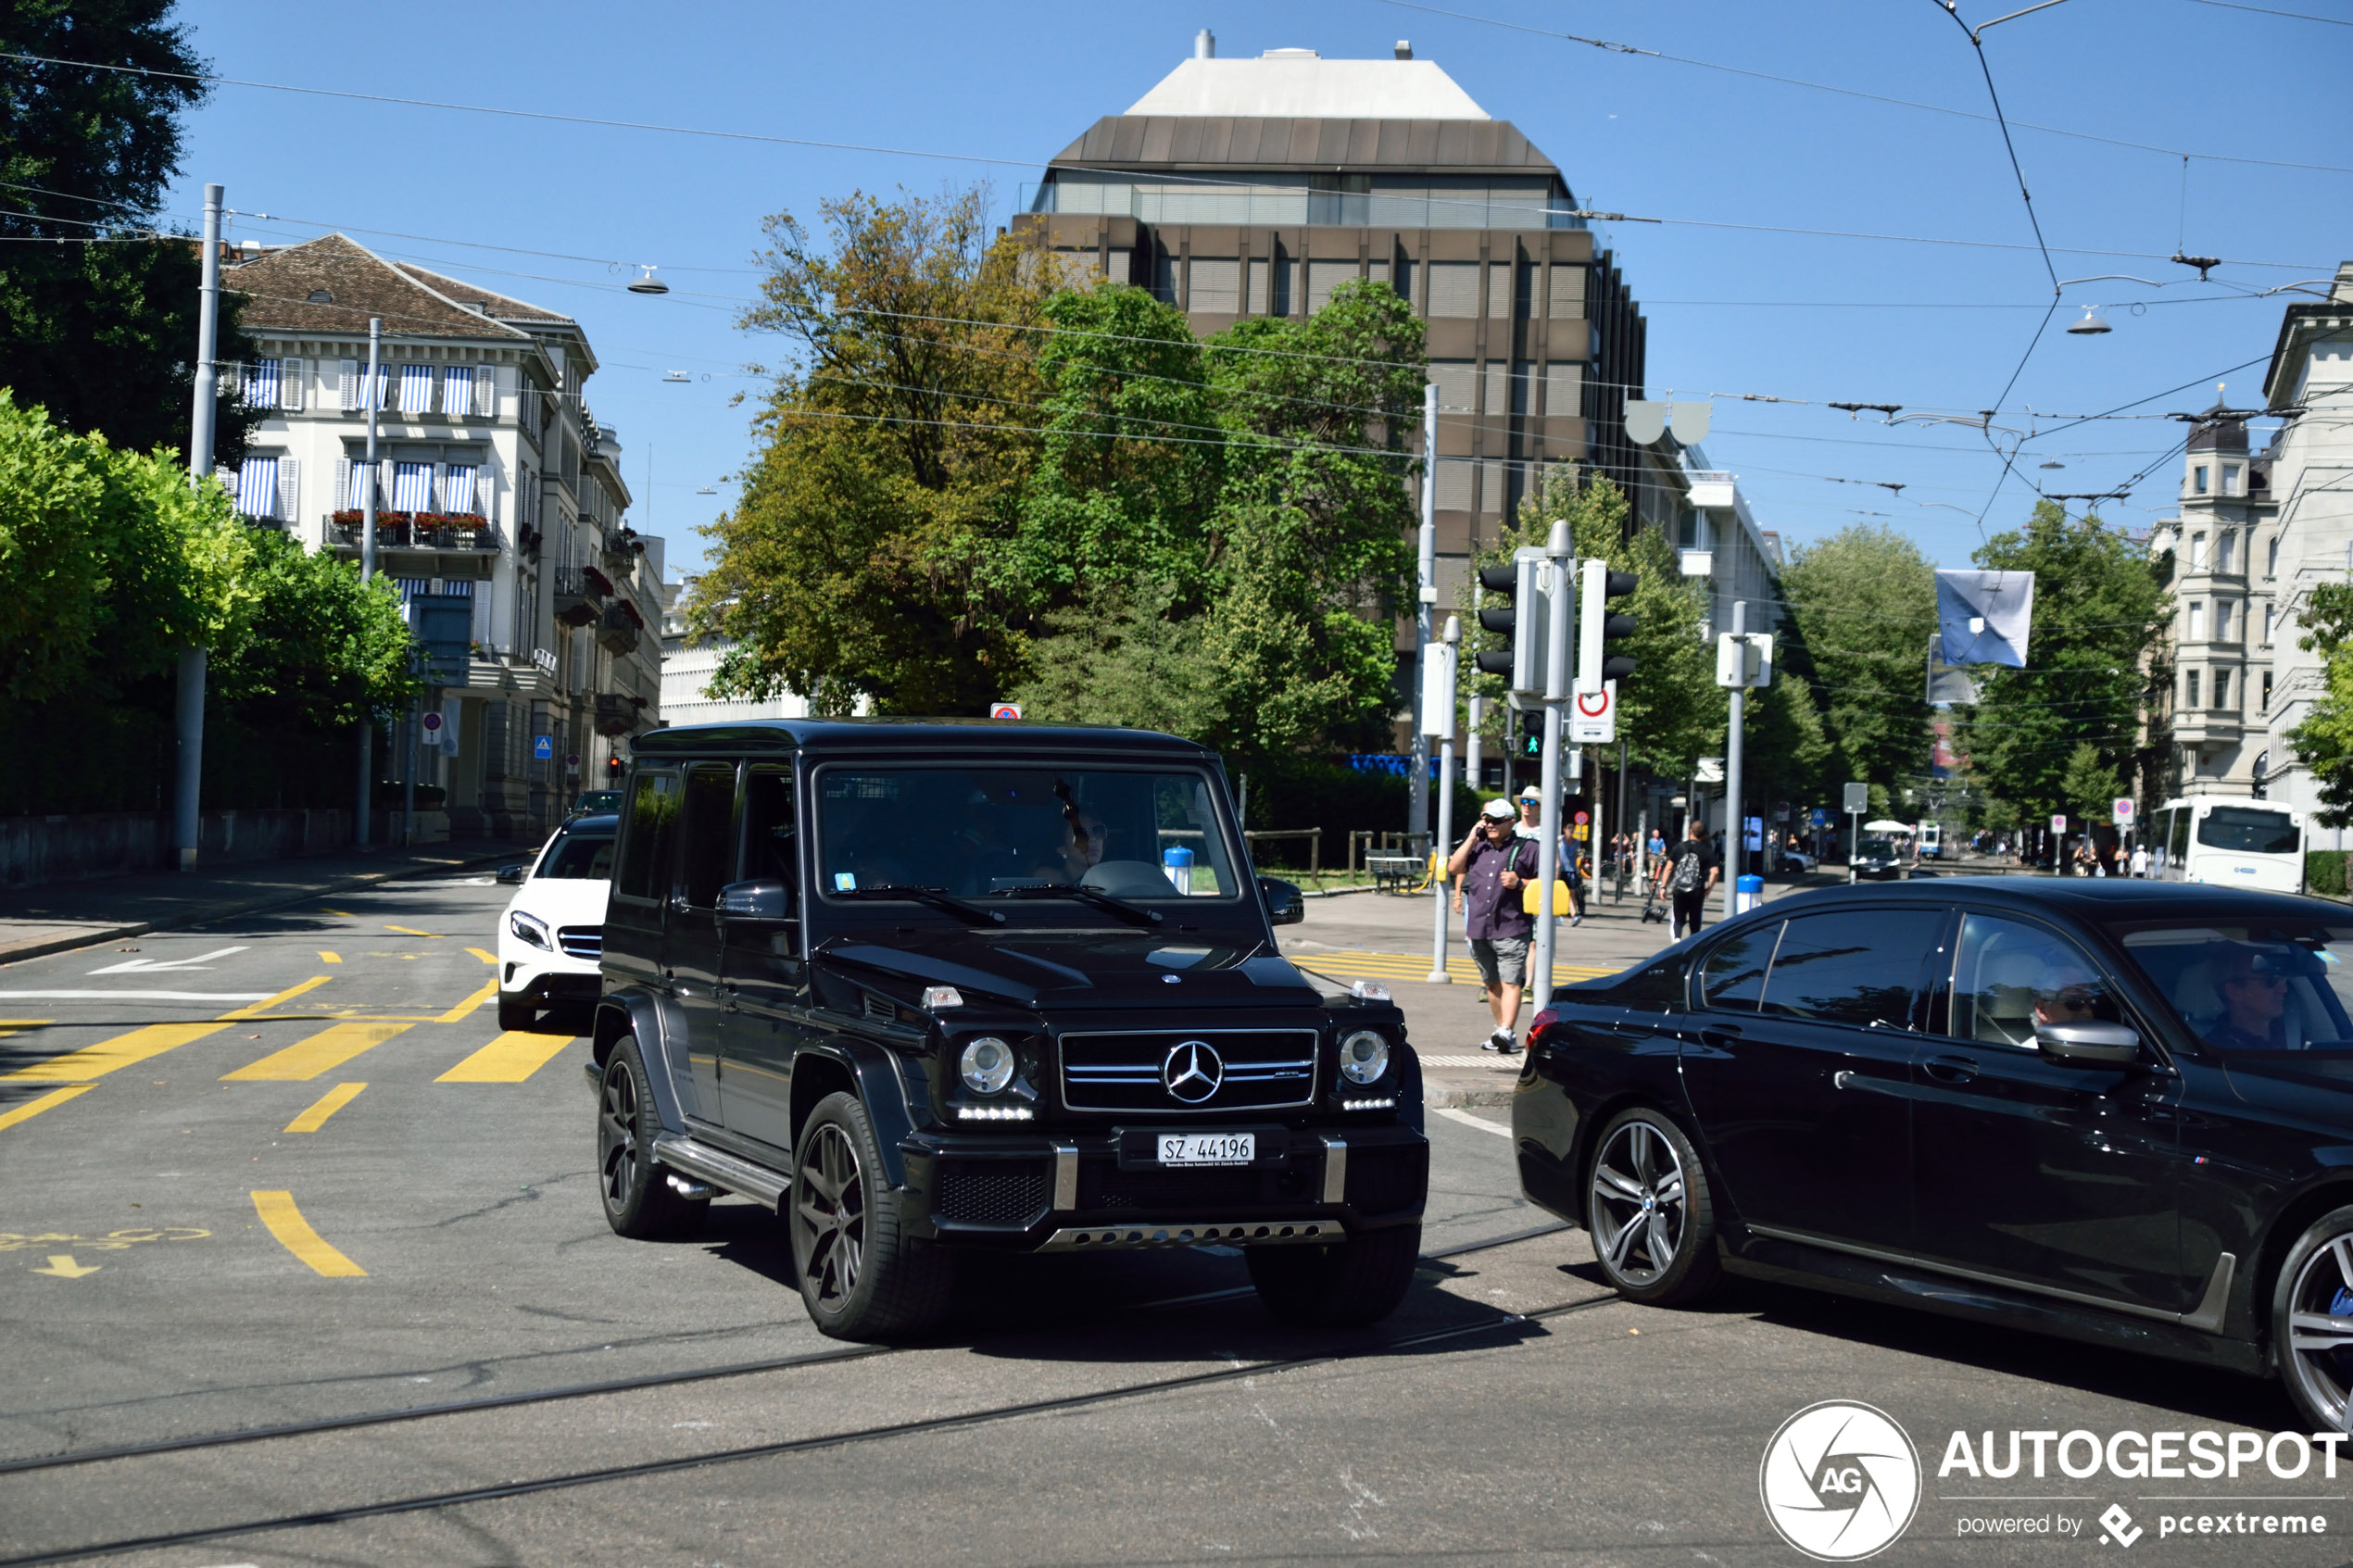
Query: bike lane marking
{"x": 510, "y": 1058}
{"x": 294, "y": 1233}
{"x": 335, "y": 1099}
{"x": 34, "y": 1107}
{"x": 306, "y": 1060}
{"x": 128, "y": 1050}
{"x": 459, "y": 1013}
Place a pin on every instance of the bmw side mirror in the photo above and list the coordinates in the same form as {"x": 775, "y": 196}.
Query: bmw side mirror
{"x": 512, "y": 873}
{"x": 1284, "y": 906}
{"x": 2089, "y": 1044}
{"x": 745, "y": 903}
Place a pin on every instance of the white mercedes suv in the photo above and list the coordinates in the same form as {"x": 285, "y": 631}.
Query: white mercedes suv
{"x": 551, "y": 935}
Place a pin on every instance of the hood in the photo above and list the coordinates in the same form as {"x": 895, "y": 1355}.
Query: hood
{"x": 1093, "y": 968}
{"x": 562, "y": 900}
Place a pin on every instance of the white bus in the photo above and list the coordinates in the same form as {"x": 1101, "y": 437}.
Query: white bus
{"x": 2229, "y": 842}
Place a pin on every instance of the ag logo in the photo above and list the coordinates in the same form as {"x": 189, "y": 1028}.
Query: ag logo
{"x": 1839, "y": 1481}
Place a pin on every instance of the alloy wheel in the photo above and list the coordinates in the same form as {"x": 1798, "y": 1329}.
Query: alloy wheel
{"x": 831, "y": 1212}
{"x": 617, "y": 1137}
{"x": 1638, "y": 1204}
{"x": 2321, "y": 1328}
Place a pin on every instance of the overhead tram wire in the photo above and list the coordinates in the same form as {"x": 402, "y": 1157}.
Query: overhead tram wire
{"x": 761, "y": 138}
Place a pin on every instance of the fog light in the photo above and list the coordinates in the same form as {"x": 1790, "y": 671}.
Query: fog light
{"x": 986, "y": 1064}
{"x": 1364, "y": 1057}
{"x": 994, "y": 1113}
{"x": 1385, "y": 1103}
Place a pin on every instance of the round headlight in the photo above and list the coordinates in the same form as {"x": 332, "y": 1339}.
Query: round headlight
{"x": 986, "y": 1064}
{"x": 1364, "y": 1057}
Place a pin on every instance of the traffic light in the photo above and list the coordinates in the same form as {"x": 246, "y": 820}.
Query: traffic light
{"x": 1525, "y": 620}
{"x": 614, "y": 768}
{"x": 1596, "y": 625}
{"x": 1531, "y": 735}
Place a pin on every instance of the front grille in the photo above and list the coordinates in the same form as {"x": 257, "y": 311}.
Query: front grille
{"x": 581, "y": 941}
{"x": 1262, "y": 1068}
{"x": 993, "y": 1192}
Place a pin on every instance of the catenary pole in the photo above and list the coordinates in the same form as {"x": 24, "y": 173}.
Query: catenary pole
{"x": 1439, "y": 693}
{"x": 1548, "y": 842}
{"x": 1425, "y": 580}
{"x": 1735, "y": 833}
{"x": 187, "y": 797}
{"x": 367, "y": 573}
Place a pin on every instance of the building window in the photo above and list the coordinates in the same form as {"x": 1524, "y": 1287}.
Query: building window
{"x": 2226, "y": 550}
{"x": 1323, "y": 277}
{"x": 2197, "y": 552}
{"x": 416, "y": 388}
{"x": 1499, "y": 290}
{"x": 2272, "y": 557}
{"x": 2189, "y": 690}
{"x": 1216, "y": 285}
{"x": 458, "y": 489}
{"x": 261, "y": 384}
{"x": 2222, "y": 690}
{"x": 2197, "y": 621}
{"x": 1563, "y": 395}
{"x": 2266, "y": 691}
{"x": 258, "y": 487}
{"x": 2222, "y": 608}
{"x": 1455, "y": 385}
{"x": 458, "y": 390}
{"x": 2267, "y": 613}
{"x": 2197, "y": 478}
{"x": 2230, "y": 479}
{"x": 1453, "y": 485}
{"x": 1454, "y": 288}
{"x": 412, "y": 487}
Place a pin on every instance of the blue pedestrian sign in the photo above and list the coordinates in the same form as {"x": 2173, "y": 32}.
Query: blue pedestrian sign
{"x": 543, "y": 747}
{"x": 1820, "y": 817}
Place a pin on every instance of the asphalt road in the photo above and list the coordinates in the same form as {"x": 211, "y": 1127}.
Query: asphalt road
{"x": 206, "y": 1229}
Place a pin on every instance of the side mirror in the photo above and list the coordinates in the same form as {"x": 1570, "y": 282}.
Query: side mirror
{"x": 752, "y": 902}
{"x": 2090, "y": 1044}
{"x": 513, "y": 873}
{"x": 1284, "y": 906}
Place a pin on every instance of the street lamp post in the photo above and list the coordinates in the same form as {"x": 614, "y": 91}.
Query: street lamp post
{"x": 188, "y": 785}
{"x": 1426, "y": 600}
{"x": 367, "y": 572}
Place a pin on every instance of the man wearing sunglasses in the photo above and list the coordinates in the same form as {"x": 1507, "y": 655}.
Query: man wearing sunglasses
{"x": 2254, "y": 990}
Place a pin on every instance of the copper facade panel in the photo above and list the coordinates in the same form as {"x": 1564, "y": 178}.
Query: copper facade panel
{"x": 1223, "y": 140}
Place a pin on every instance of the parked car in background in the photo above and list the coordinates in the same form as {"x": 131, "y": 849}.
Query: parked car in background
{"x": 1880, "y": 858}
{"x": 551, "y": 934}
{"x": 594, "y": 802}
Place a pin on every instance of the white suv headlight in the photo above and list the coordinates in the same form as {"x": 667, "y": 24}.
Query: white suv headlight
{"x": 531, "y": 928}
{"x": 1364, "y": 1057}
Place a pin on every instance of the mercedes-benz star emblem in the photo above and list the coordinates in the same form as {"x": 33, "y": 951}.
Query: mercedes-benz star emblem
{"x": 1192, "y": 1072}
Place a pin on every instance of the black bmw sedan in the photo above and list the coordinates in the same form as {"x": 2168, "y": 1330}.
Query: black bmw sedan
{"x": 2119, "y": 1111}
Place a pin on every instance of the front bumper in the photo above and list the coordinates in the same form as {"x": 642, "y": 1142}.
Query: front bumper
{"x": 1104, "y": 1189}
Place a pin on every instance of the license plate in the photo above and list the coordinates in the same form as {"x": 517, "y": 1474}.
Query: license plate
{"x": 1208, "y": 1148}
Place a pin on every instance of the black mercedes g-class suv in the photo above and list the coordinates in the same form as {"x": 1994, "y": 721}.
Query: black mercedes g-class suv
{"x": 922, "y": 985}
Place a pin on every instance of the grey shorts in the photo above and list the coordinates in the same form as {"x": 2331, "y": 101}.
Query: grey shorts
{"x": 1503, "y": 960}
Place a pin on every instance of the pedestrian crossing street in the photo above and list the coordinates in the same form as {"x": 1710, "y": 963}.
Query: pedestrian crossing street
{"x": 1356, "y": 965}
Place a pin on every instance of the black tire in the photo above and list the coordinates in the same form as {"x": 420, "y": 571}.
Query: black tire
{"x": 863, "y": 1276}
{"x": 1649, "y": 1211}
{"x": 639, "y": 1201}
{"x": 1353, "y": 1282}
{"x": 516, "y": 1013}
{"x": 2312, "y": 1321}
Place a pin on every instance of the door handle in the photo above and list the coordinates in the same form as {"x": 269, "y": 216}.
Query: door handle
{"x": 1951, "y": 1069}
{"x": 727, "y": 994}
{"x": 1719, "y": 1034}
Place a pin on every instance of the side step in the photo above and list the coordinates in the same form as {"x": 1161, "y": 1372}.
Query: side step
{"x": 721, "y": 1169}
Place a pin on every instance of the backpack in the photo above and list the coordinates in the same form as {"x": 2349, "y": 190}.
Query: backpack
{"x": 1687, "y": 871}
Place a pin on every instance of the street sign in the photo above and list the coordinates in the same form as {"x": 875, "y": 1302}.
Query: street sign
{"x": 1858, "y": 799}
{"x": 1821, "y": 818}
{"x": 1582, "y": 819}
{"x": 1004, "y": 710}
{"x": 1439, "y": 660}
{"x": 543, "y": 747}
{"x": 2059, "y": 825}
{"x": 1744, "y": 658}
{"x": 2122, "y": 807}
{"x": 433, "y": 729}
{"x": 1593, "y": 716}
{"x": 1709, "y": 770}
{"x": 572, "y": 759}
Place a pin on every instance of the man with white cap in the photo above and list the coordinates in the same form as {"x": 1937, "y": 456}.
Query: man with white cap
{"x": 1489, "y": 868}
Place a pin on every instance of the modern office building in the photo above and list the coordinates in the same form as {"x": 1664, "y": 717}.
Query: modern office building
{"x": 1254, "y": 187}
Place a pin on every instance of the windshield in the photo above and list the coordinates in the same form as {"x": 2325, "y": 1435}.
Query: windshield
{"x": 1880, "y": 847}
{"x": 2249, "y": 830}
{"x": 983, "y": 832}
{"x": 579, "y": 857}
{"x": 2273, "y": 986}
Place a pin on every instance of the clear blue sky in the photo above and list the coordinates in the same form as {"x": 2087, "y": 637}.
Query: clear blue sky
{"x": 1732, "y": 311}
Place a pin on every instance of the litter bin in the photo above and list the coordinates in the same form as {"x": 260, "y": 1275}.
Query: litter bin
{"x": 1178, "y": 861}
{"x": 1747, "y": 893}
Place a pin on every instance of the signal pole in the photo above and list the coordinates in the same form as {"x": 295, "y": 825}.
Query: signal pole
{"x": 187, "y": 797}
{"x": 1736, "y": 832}
{"x": 1548, "y": 847}
{"x": 1438, "y": 715}
{"x": 367, "y": 571}
{"x": 1425, "y": 604}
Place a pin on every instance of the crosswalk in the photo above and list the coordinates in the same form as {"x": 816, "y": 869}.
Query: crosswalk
{"x": 1356, "y": 964}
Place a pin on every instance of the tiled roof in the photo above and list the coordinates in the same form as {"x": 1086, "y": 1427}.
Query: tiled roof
{"x": 497, "y": 305}
{"x": 281, "y": 287}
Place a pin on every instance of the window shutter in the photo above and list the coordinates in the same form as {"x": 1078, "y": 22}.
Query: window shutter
{"x": 343, "y": 498}
{"x": 289, "y": 489}
{"x": 351, "y": 383}
{"x": 486, "y": 391}
{"x": 290, "y": 378}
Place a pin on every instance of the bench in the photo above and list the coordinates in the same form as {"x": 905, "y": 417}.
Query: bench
{"x": 1396, "y": 873}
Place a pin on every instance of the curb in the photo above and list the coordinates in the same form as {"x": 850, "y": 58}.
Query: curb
{"x": 1465, "y": 1099}
{"x": 91, "y": 938}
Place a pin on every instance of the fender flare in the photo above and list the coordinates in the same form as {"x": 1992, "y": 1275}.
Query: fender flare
{"x": 639, "y": 1012}
{"x": 881, "y": 1086}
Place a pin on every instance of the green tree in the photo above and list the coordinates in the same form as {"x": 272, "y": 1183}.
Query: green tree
{"x": 871, "y": 548}
{"x": 1123, "y": 657}
{"x": 2323, "y": 741}
{"x": 99, "y": 326}
{"x": 2093, "y": 658}
{"x": 1861, "y": 605}
{"x": 2088, "y": 786}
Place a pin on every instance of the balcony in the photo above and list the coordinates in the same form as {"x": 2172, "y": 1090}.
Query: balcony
{"x": 619, "y": 628}
{"x": 581, "y": 592}
{"x": 445, "y": 545}
{"x": 617, "y": 712}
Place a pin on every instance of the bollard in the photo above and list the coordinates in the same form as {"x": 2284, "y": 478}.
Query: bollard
{"x": 1747, "y": 893}
{"x": 1178, "y": 861}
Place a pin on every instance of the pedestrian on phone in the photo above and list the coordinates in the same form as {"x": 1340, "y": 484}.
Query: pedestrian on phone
{"x": 1490, "y": 867}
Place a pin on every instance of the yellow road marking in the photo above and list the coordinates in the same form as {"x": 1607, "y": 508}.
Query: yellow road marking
{"x": 325, "y": 957}
{"x": 62, "y": 1265}
{"x": 335, "y": 1099}
{"x": 109, "y": 1056}
{"x": 486, "y": 958}
{"x": 339, "y": 914}
{"x": 287, "y": 995}
{"x": 304, "y": 1060}
{"x": 34, "y": 1107}
{"x": 510, "y": 1059}
{"x": 10, "y": 1025}
{"x": 294, "y": 1233}
{"x": 412, "y": 931}
{"x": 457, "y": 1015}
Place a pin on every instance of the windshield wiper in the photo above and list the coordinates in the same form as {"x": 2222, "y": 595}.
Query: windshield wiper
{"x": 1101, "y": 900}
{"x": 937, "y": 897}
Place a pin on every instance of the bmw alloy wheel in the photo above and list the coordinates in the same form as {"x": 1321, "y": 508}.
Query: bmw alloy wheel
{"x": 2319, "y": 1329}
{"x": 1638, "y": 1195}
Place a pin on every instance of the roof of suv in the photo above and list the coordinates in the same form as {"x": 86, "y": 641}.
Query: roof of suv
{"x": 922, "y": 736}
{"x": 2102, "y": 899}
